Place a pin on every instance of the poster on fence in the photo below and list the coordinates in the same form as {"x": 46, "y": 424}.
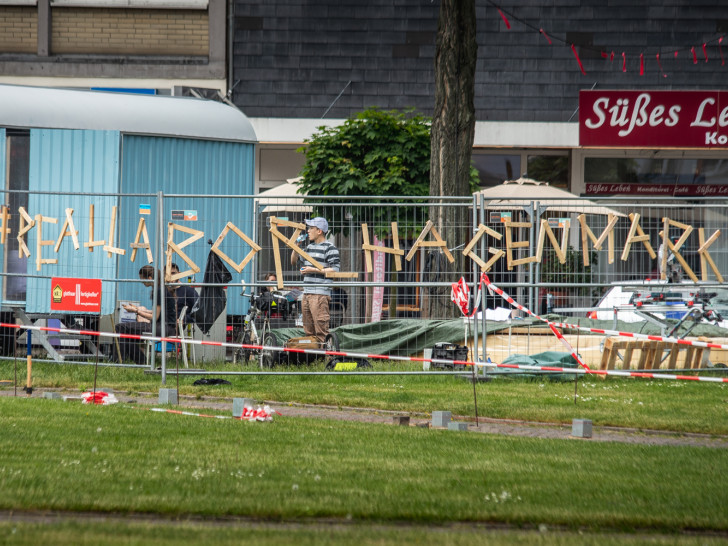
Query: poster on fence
{"x": 76, "y": 295}
{"x": 377, "y": 276}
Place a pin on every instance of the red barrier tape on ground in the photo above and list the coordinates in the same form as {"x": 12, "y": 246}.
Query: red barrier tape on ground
{"x": 249, "y": 414}
{"x": 321, "y": 352}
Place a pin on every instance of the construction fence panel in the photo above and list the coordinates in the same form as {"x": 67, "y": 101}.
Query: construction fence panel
{"x": 399, "y": 257}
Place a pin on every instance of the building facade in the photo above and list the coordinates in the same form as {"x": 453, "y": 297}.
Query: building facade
{"x": 292, "y": 66}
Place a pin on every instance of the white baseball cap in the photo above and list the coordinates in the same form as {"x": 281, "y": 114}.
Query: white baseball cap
{"x": 319, "y": 222}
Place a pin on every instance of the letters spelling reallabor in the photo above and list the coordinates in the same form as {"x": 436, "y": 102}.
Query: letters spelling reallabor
{"x": 316, "y": 287}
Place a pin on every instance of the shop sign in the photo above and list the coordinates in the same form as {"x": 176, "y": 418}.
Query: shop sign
{"x": 666, "y": 190}
{"x": 653, "y": 119}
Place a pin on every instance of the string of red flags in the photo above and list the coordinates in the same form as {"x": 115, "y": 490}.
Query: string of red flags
{"x": 609, "y": 55}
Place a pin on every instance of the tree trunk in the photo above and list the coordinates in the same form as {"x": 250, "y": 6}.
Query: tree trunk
{"x": 453, "y": 130}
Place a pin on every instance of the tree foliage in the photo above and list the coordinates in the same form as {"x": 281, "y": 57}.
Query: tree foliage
{"x": 373, "y": 153}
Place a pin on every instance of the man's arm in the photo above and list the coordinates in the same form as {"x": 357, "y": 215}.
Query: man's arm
{"x": 333, "y": 259}
{"x": 294, "y": 257}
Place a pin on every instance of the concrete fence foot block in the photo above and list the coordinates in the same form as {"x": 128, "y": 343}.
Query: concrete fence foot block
{"x": 167, "y": 396}
{"x": 52, "y": 395}
{"x": 402, "y": 420}
{"x": 441, "y": 418}
{"x": 457, "y": 425}
{"x": 240, "y": 403}
{"x": 581, "y": 428}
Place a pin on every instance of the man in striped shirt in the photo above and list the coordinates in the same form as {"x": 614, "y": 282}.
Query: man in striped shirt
{"x": 316, "y": 287}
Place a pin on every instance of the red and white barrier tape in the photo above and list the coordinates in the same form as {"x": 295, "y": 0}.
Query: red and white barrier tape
{"x": 264, "y": 413}
{"x": 585, "y": 371}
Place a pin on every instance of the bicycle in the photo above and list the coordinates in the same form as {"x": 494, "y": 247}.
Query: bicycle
{"x": 249, "y": 335}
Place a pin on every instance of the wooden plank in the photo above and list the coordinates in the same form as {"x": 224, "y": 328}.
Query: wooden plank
{"x": 397, "y": 256}
{"x": 4, "y": 224}
{"x": 627, "y": 358}
{"x": 608, "y": 344}
{"x": 643, "y": 354}
{"x": 341, "y": 274}
{"x": 255, "y": 248}
{"x": 367, "y": 248}
{"x": 277, "y": 257}
{"x": 674, "y": 353}
{"x": 278, "y": 235}
{"x": 91, "y": 243}
{"x": 705, "y": 255}
{"x": 658, "y": 349}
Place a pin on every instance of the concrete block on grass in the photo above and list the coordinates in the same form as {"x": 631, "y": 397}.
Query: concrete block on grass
{"x": 441, "y": 418}
{"x": 167, "y": 396}
{"x": 581, "y": 428}
{"x": 52, "y": 395}
{"x": 457, "y": 425}
{"x": 240, "y": 403}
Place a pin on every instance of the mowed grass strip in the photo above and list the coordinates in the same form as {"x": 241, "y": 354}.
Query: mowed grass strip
{"x": 679, "y": 406}
{"x": 69, "y": 457}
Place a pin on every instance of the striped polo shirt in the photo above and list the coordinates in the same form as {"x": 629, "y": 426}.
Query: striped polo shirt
{"x": 327, "y": 255}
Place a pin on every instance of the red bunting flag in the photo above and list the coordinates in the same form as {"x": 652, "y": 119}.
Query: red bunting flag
{"x": 545, "y": 35}
{"x": 508, "y": 25}
{"x": 705, "y": 53}
{"x": 624, "y": 62}
{"x": 659, "y": 64}
{"x": 695, "y": 57}
{"x": 722, "y": 60}
{"x": 642, "y": 65}
{"x": 578, "y": 60}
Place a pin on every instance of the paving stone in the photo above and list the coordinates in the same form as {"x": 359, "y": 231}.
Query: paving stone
{"x": 168, "y": 396}
{"x": 441, "y": 418}
{"x": 581, "y": 428}
{"x": 240, "y": 403}
{"x": 457, "y": 425}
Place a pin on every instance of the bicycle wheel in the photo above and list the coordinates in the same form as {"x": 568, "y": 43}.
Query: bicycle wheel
{"x": 331, "y": 342}
{"x": 246, "y": 353}
{"x": 238, "y": 351}
{"x": 268, "y": 358}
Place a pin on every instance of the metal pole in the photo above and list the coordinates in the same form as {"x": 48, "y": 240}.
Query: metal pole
{"x": 157, "y": 272}
{"x": 484, "y": 319}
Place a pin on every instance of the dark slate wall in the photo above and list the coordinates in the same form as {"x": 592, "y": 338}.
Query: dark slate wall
{"x": 293, "y": 57}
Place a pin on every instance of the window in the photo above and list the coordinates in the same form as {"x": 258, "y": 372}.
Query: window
{"x": 655, "y": 175}
{"x": 18, "y": 165}
{"x": 553, "y": 169}
{"x": 494, "y": 169}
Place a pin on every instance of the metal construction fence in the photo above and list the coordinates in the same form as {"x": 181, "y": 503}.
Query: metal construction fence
{"x": 399, "y": 259}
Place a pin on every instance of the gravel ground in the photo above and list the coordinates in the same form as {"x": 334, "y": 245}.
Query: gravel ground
{"x": 484, "y": 425}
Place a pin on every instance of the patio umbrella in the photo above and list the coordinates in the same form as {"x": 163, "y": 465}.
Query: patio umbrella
{"x": 516, "y": 194}
{"x": 283, "y": 198}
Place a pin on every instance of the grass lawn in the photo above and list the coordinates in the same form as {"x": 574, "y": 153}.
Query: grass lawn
{"x": 679, "y": 406}
{"x": 120, "y": 460}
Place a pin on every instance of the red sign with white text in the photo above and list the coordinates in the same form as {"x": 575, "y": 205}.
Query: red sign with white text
{"x": 653, "y": 119}
{"x": 76, "y": 295}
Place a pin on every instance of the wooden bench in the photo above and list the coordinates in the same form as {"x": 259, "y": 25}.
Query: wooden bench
{"x": 651, "y": 354}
